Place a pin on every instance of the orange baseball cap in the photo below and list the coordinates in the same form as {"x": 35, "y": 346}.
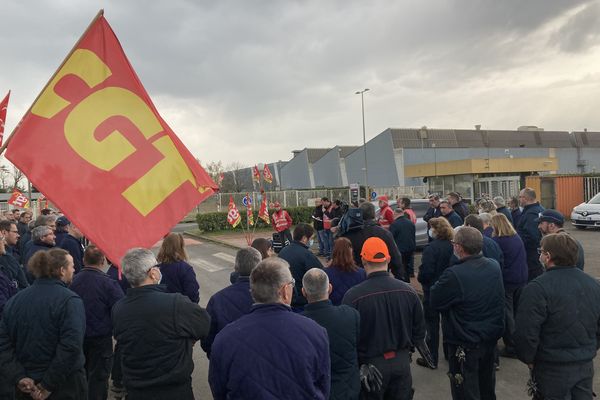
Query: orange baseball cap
{"x": 375, "y": 250}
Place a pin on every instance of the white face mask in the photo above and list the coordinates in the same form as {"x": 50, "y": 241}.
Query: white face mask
{"x": 432, "y": 233}
{"x": 311, "y": 242}
{"x": 159, "y": 279}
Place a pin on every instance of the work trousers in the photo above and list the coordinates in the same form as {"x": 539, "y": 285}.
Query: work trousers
{"x": 509, "y": 319}
{"x": 472, "y": 372}
{"x": 432, "y": 324}
{"x": 408, "y": 260}
{"x": 558, "y": 381}
{"x": 74, "y": 388}
{"x": 98, "y": 353}
{"x": 321, "y": 242}
{"x": 397, "y": 379}
{"x": 180, "y": 392}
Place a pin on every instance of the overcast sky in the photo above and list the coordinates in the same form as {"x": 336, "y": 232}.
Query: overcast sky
{"x": 250, "y": 81}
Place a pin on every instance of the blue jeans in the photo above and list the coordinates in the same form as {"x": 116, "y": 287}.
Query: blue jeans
{"x": 327, "y": 238}
{"x": 321, "y": 244}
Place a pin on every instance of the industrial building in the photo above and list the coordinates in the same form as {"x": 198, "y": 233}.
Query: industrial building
{"x": 470, "y": 161}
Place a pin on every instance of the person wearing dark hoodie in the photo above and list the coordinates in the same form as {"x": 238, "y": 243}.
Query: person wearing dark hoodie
{"x": 514, "y": 275}
{"x": 177, "y": 274}
{"x": 42, "y": 238}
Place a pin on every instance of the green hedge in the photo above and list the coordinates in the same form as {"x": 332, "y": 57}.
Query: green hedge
{"x": 217, "y": 221}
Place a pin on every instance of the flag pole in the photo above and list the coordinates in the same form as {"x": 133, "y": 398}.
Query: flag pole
{"x": 98, "y": 15}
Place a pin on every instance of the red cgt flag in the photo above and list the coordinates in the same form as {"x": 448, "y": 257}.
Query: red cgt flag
{"x": 96, "y": 146}
{"x": 233, "y": 216}
{"x": 263, "y": 212}
{"x": 255, "y": 174}
{"x": 3, "y": 108}
{"x": 18, "y": 199}
{"x": 267, "y": 174}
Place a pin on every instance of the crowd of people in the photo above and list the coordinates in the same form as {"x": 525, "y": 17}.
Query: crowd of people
{"x": 496, "y": 282}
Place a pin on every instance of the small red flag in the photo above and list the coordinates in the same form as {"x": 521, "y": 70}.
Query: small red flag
{"x": 255, "y": 174}
{"x": 249, "y": 211}
{"x": 233, "y": 216}
{"x": 3, "y": 108}
{"x": 267, "y": 174}
{"x": 263, "y": 213}
{"x": 18, "y": 199}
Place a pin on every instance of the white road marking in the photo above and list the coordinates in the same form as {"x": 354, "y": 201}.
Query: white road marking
{"x": 225, "y": 257}
{"x": 207, "y": 266}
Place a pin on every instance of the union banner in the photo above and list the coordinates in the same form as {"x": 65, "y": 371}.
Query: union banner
{"x": 95, "y": 145}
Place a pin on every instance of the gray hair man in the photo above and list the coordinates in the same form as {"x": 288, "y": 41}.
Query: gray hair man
{"x": 527, "y": 228}
{"x": 342, "y": 324}
{"x": 470, "y": 295}
{"x": 42, "y": 238}
{"x": 160, "y": 366}
{"x": 290, "y": 344}
{"x": 229, "y": 304}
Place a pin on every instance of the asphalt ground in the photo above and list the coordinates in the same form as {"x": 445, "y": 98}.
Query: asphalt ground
{"x": 213, "y": 263}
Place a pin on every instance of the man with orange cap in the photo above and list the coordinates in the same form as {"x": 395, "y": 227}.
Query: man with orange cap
{"x": 391, "y": 324}
{"x": 282, "y": 222}
{"x": 386, "y": 214}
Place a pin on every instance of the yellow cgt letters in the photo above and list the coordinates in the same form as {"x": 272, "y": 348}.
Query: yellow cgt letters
{"x": 149, "y": 191}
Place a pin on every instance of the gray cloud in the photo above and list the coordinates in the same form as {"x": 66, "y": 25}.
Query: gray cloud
{"x": 251, "y": 81}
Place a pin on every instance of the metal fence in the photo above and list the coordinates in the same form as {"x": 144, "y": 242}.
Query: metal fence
{"x": 296, "y": 198}
{"x": 591, "y": 187}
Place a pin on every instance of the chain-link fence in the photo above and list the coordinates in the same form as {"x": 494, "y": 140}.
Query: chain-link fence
{"x": 295, "y": 198}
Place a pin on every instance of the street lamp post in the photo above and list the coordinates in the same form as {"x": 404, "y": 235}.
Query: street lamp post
{"x": 362, "y": 102}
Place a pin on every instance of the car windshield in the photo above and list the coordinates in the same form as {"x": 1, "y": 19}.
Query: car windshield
{"x": 420, "y": 208}
{"x": 595, "y": 199}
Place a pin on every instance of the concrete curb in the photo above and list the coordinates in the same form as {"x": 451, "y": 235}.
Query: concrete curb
{"x": 212, "y": 240}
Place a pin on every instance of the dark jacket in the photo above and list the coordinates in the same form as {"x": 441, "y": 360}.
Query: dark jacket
{"x": 432, "y": 212}
{"x": 461, "y": 209}
{"x": 342, "y": 324}
{"x": 506, "y": 211}
{"x": 435, "y": 260}
{"x": 181, "y": 278}
{"x": 301, "y": 259}
{"x": 514, "y": 272}
{"x": 74, "y": 247}
{"x": 156, "y": 332}
{"x": 531, "y": 236}
{"x": 14, "y": 251}
{"x": 558, "y": 318}
{"x": 34, "y": 248}
{"x": 41, "y": 334}
{"x": 341, "y": 281}
{"x": 14, "y": 272}
{"x": 470, "y": 296}
{"x": 403, "y": 231}
{"x": 454, "y": 219}
{"x": 271, "y": 353}
{"x": 99, "y": 293}
{"x": 490, "y": 249}
{"x": 226, "y": 306}
{"x": 23, "y": 228}
{"x": 516, "y": 216}
{"x": 59, "y": 237}
{"x": 391, "y": 315}
{"x": 488, "y": 232}
{"x": 7, "y": 290}
{"x": 113, "y": 273}
{"x": 371, "y": 229}
{"x": 317, "y": 218}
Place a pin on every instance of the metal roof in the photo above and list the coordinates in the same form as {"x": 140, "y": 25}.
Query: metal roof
{"x": 316, "y": 154}
{"x": 469, "y": 138}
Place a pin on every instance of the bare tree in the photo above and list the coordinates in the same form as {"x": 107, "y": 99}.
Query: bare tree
{"x": 4, "y": 178}
{"x": 17, "y": 176}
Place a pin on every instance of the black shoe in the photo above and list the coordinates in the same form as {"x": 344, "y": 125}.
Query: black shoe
{"x": 421, "y": 362}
